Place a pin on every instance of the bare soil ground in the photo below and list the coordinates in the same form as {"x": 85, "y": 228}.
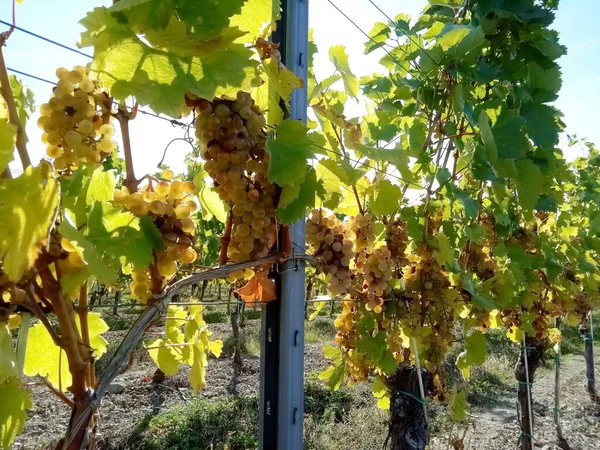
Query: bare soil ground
{"x": 491, "y": 427}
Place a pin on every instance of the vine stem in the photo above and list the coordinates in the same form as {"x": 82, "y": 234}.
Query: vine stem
{"x": 9, "y": 98}
{"x": 82, "y": 312}
{"x": 225, "y": 239}
{"x": 123, "y": 116}
{"x": 160, "y": 303}
{"x": 343, "y": 148}
{"x": 71, "y": 340}
{"x": 56, "y": 392}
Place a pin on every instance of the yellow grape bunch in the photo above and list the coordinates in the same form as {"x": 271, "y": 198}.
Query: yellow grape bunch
{"x": 232, "y": 141}
{"x": 76, "y": 121}
{"x": 330, "y": 240}
{"x": 170, "y": 205}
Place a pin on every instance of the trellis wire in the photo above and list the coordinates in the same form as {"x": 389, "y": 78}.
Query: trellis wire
{"x": 528, "y": 391}
{"x": 591, "y": 331}
{"x": 421, "y": 387}
{"x": 324, "y": 299}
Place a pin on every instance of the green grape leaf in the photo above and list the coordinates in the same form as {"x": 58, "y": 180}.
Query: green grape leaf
{"x": 123, "y": 5}
{"x": 475, "y": 348}
{"x": 378, "y": 37}
{"x": 101, "y": 187}
{"x": 116, "y": 233}
{"x": 179, "y": 62}
{"x": 530, "y": 183}
{"x": 8, "y": 365}
{"x": 541, "y": 126}
{"x": 372, "y": 346}
{"x": 205, "y": 17}
{"x": 379, "y": 387}
{"x": 342, "y": 169}
{"x": 333, "y": 375}
{"x": 387, "y": 199}
{"x": 387, "y": 363}
{"x": 94, "y": 261}
{"x": 366, "y": 324}
{"x": 46, "y": 359}
{"x": 8, "y": 139}
{"x": 23, "y": 101}
{"x": 458, "y": 405}
{"x": 305, "y": 198}
{"x": 475, "y": 353}
{"x": 488, "y": 137}
{"x": 257, "y": 19}
{"x": 339, "y": 58}
{"x": 212, "y": 205}
{"x": 509, "y": 137}
{"x": 27, "y": 207}
{"x": 151, "y": 233}
{"x": 15, "y": 403}
{"x": 481, "y": 298}
{"x": 417, "y": 135}
{"x": 289, "y": 148}
{"x": 458, "y": 40}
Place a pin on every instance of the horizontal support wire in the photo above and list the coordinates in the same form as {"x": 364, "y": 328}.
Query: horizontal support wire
{"x": 31, "y": 33}
{"x": 256, "y": 303}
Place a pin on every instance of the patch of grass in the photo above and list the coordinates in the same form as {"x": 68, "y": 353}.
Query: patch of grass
{"x": 102, "y": 363}
{"x": 319, "y": 330}
{"x": 334, "y": 420}
{"x": 250, "y": 342}
{"x": 572, "y": 342}
{"x": 252, "y": 314}
{"x": 227, "y": 423}
{"x": 324, "y": 404}
{"x": 119, "y": 322}
{"x": 216, "y": 317}
{"x": 486, "y": 387}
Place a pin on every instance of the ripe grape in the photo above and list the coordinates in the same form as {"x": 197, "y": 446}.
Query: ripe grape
{"x": 233, "y": 147}
{"x": 69, "y": 122}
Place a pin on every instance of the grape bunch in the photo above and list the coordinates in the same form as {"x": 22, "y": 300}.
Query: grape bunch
{"x": 75, "y": 121}
{"x": 478, "y": 256}
{"x": 397, "y": 241}
{"x": 170, "y": 205}
{"x": 328, "y": 238}
{"x": 233, "y": 147}
{"x": 362, "y": 233}
{"x": 377, "y": 271}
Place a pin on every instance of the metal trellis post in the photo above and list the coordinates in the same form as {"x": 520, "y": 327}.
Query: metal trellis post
{"x": 282, "y": 352}
{"x": 291, "y": 338}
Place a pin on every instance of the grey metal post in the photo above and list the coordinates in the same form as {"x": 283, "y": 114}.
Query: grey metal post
{"x": 291, "y": 334}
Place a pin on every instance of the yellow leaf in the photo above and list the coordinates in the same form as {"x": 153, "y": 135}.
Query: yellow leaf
{"x": 27, "y": 206}
{"x": 8, "y": 137}
{"x": 515, "y": 334}
{"x": 464, "y": 313}
{"x": 494, "y": 320}
{"x": 216, "y": 347}
{"x": 166, "y": 358}
{"x": 198, "y": 372}
{"x": 257, "y": 19}
{"x": 8, "y": 367}
{"x": 44, "y": 358}
{"x": 318, "y": 308}
{"x": 383, "y": 403}
{"x": 14, "y": 321}
{"x": 15, "y": 403}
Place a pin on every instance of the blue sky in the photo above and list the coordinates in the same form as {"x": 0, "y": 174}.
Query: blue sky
{"x": 58, "y": 19}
